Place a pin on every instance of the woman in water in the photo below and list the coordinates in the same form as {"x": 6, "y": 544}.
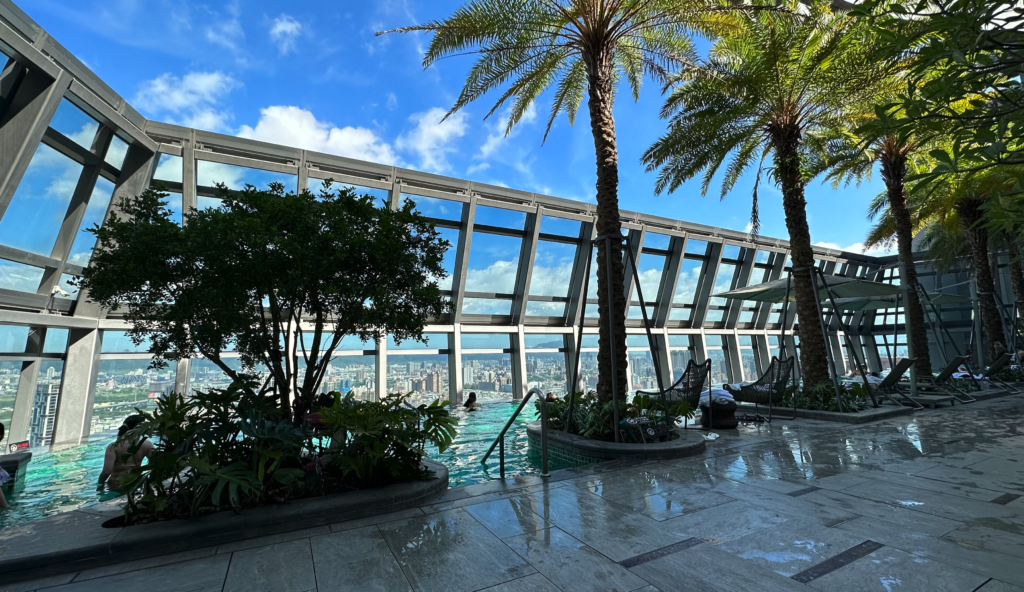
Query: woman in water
{"x": 118, "y": 460}
{"x": 471, "y": 403}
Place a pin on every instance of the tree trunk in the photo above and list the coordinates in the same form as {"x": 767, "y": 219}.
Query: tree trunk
{"x": 893, "y": 161}
{"x": 1016, "y": 282}
{"x": 600, "y": 100}
{"x": 970, "y": 213}
{"x": 786, "y": 139}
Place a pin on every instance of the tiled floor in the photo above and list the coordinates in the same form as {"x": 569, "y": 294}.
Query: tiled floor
{"x": 932, "y": 502}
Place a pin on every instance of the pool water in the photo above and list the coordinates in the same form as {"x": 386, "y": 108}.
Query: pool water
{"x": 61, "y": 480}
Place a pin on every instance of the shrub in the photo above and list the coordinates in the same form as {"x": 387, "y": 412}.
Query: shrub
{"x": 593, "y": 419}
{"x": 823, "y": 398}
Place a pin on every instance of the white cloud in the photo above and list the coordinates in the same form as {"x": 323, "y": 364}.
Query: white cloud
{"x": 299, "y": 128}
{"x": 190, "y": 100}
{"x": 227, "y": 32}
{"x": 476, "y": 168}
{"x": 431, "y": 140}
{"x": 856, "y": 248}
{"x": 392, "y": 103}
{"x": 284, "y": 30}
{"x": 497, "y": 136}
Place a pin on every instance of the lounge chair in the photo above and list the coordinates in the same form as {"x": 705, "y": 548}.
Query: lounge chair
{"x": 688, "y": 388}
{"x": 943, "y": 382}
{"x": 768, "y": 390}
{"x": 891, "y": 388}
{"x": 997, "y": 367}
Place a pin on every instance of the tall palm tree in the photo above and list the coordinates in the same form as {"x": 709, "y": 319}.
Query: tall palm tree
{"x": 577, "y": 48}
{"x": 768, "y": 83}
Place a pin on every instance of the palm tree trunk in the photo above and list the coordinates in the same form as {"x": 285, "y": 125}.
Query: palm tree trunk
{"x": 1016, "y": 278}
{"x": 894, "y": 172}
{"x": 970, "y": 213}
{"x": 600, "y": 101}
{"x": 813, "y": 355}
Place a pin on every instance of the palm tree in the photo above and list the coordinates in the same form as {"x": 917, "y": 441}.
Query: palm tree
{"x": 768, "y": 83}
{"x": 577, "y": 48}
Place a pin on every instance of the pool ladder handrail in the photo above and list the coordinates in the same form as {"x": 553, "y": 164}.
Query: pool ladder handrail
{"x": 500, "y": 440}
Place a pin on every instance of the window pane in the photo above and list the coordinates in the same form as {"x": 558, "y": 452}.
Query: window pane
{"x": 641, "y": 370}
{"x": 81, "y": 249}
{"x": 762, "y": 257}
{"x": 382, "y": 197}
{"x": 680, "y": 314}
{"x": 452, "y": 236}
{"x": 118, "y": 342}
{"x": 485, "y": 341}
{"x": 730, "y": 252}
{"x": 56, "y": 341}
{"x": 116, "y": 152}
{"x": 686, "y": 287}
{"x": 637, "y": 341}
{"x": 205, "y": 375}
{"x": 588, "y": 372}
{"x": 10, "y": 375}
{"x": 696, "y": 247}
{"x": 37, "y": 210}
{"x": 434, "y": 341}
{"x": 543, "y": 341}
{"x": 13, "y": 339}
{"x": 487, "y": 306}
{"x": 488, "y": 375}
{"x": 680, "y": 358}
{"x": 590, "y": 340}
{"x": 493, "y": 263}
{"x": 719, "y": 373}
{"x": 653, "y": 240}
{"x": 489, "y": 216}
{"x": 552, "y": 269}
{"x": 174, "y": 205}
{"x": 44, "y": 405}
{"x": 546, "y": 372}
{"x": 559, "y": 226}
{"x": 425, "y": 377}
{"x": 445, "y": 209}
{"x": 545, "y": 309}
{"x": 75, "y": 124}
{"x": 18, "y": 277}
{"x": 208, "y": 174}
{"x": 723, "y": 283}
{"x": 680, "y": 341}
{"x": 352, "y": 374}
{"x": 124, "y": 385}
{"x": 713, "y": 340}
{"x": 168, "y": 169}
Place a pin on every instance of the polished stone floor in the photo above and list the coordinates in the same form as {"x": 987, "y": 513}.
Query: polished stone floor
{"x": 931, "y": 502}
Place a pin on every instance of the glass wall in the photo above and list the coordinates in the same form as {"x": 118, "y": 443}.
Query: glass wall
{"x": 680, "y": 351}
{"x": 124, "y": 385}
{"x": 545, "y": 363}
{"x": 10, "y": 375}
{"x": 419, "y": 369}
{"x": 719, "y": 361}
{"x": 641, "y": 364}
{"x": 487, "y": 366}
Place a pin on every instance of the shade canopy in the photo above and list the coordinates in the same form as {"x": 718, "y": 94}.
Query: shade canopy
{"x": 880, "y": 302}
{"x": 841, "y": 287}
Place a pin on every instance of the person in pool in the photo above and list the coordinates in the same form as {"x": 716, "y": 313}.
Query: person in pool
{"x": 118, "y": 460}
{"x": 4, "y": 476}
{"x": 471, "y": 403}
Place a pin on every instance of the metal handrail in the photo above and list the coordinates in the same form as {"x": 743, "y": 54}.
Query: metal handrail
{"x": 500, "y": 440}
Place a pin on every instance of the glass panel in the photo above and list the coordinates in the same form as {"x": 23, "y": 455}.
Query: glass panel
{"x": 588, "y": 372}
{"x": 730, "y": 252}
{"x": 552, "y": 269}
{"x": 746, "y": 316}
{"x": 689, "y": 276}
{"x": 680, "y": 358}
{"x": 696, "y": 247}
{"x": 637, "y": 341}
{"x": 488, "y": 306}
{"x": 488, "y": 375}
{"x": 590, "y": 340}
{"x": 680, "y": 314}
{"x": 546, "y": 372}
{"x": 44, "y": 405}
{"x": 208, "y": 174}
{"x": 433, "y": 341}
{"x": 680, "y": 341}
{"x": 205, "y": 375}
{"x": 125, "y": 385}
{"x": 485, "y": 341}
{"x": 543, "y": 341}
{"x": 351, "y": 374}
{"x": 56, "y": 341}
{"x": 19, "y": 277}
{"x": 489, "y": 216}
{"x": 382, "y": 197}
{"x": 425, "y": 377}
{"x": 746, "y": 341}
{"x": 174, "y": 205}
{"x": 75, "y": 124}
{"x": 545, "y": 309}
{"x": 351, "y": 343}
{"x": 168, "y": 169}
{"x": 116, "y": 152}
{"x": 10, "y": 375}
{"x": 37, "y": 210}
{"x": 452, "y": 236}
{"x": 713, "y": 340}
{"x": 99, "y": 201}
{"x": 653, "y": 240}
{"x": 559, "y": 226}
{"x": 723, "y": 283}
{"x": 444, "y": 209}
{"x": 118, "y": 342}
{"x": 641, "y": 370}
{"x": 650, "y": 268}
{"x": 203, "y": 202}
{"x": 13, "y": 339}
{"x": 719, "y": 372}
{"x": 714, "y": 316}
{"x": 762, "y": 256}
{"x": 493, "y": 263}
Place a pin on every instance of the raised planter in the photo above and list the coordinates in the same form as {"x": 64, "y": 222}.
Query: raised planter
{"x": 77, "y": 540}
{"x": 573, "y": 449}
{"x": 865, "y": 416}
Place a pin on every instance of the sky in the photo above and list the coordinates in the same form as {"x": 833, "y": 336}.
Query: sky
{"x": 312, "y": 74}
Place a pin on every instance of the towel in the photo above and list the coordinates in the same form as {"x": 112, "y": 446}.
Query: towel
{"x": 717, "y": 395}
{"x": 967, "y": 375}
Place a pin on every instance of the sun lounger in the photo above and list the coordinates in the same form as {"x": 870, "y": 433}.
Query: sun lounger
{"x": 943, "y": 382}
{"x": 892, "y": 388}
{"x": 998, "y": 366}
{"x": 688, "y": 388}
{"x": 768, "y": 390}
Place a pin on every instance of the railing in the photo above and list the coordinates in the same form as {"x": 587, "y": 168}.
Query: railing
{"x": 500, "y": 440}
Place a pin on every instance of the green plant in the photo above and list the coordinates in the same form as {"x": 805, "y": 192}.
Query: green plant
{"x": 234, "y": 448}
{"x": 593, "y": 419}
{"x": 822, "y": 397}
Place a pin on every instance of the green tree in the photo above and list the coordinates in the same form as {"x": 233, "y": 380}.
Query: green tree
{"x": 577, "y": 48}
{"x": 279, "y": 279}
{"x": 769, "y": 86}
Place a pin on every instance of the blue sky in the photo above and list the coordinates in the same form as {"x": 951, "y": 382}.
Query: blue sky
{"x": 312, "y": 74}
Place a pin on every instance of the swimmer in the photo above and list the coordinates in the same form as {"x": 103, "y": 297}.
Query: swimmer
{"x": 471, "y": 403}
{"x": 114, "y": 467}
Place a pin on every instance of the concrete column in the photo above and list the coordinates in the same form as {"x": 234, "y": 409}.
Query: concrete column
{"x": 181, "y": 384}
{"x": 74, "y": 411}
{"x": 518, "y": 340}
{"x": 26, "y": 396}
{"x": 660, "y": 353}
{"x": 455, "y": 366}
{"x": 380, "y": 362}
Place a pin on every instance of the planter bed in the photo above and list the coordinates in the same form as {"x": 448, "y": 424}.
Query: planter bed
{"x": 574, "y": 449}
{"x": 77, "y": 540}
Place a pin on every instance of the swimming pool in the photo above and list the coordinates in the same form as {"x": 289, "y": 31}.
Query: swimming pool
{"x": 62, "y": 480}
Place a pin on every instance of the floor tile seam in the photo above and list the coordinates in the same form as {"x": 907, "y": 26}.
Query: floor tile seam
{"x": 919, "y": 508}
{"x": 982, "y": 585}
{"x": 312, "y": 562}
{"x": 837, "y": 561}
{"x": 978, "y": 548}
{"x": 536, "y": 573}
{"x": 387, "y": 544}
{"x": 75, "y": 580}
{"x": 938, "y": 480}
{"x": 227, "y": 572}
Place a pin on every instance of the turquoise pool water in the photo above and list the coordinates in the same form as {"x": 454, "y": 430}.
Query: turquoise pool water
{"x": 63, "y": 480}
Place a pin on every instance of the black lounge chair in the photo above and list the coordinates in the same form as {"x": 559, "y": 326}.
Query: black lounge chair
{"x": 892, "y": 388}
{"x": 768, "y": 390}
{"x": 688, "y": 388}
{"x": 944, "y": 384}
{"x": 997, "y": 367}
